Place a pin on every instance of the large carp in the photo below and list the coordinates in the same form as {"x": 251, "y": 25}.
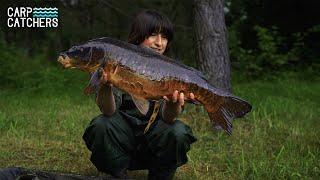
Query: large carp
{"x": 146, "y": 74}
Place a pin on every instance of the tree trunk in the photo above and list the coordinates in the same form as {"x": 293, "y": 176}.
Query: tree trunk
{"x": 211, "y": 42}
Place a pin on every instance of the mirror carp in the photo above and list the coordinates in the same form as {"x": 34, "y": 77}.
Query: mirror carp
{"x": 145, "y": 74}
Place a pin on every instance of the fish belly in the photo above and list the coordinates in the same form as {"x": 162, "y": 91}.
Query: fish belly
{"x": 140, "y": 85}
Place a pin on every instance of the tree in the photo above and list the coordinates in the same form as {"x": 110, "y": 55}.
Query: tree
{"x": 211, "y": 42}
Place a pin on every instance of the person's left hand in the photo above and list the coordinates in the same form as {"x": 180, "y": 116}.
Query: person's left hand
{"x": 177, "y": 98}
{"x": 173, "y": 105}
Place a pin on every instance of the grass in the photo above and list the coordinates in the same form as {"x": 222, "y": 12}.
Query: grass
{"x": 41, "y": 127}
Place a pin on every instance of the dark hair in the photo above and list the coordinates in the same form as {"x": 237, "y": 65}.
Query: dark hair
{"x": 147, "y": 22}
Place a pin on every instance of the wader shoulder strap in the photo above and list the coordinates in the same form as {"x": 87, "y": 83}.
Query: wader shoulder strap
{"x": 153, "y": 116}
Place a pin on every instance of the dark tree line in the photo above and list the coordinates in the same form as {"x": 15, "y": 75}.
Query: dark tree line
{"x": 263, "y": 35}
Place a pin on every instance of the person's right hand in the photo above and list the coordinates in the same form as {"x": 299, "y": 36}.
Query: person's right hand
{"x": 104, "y": 78}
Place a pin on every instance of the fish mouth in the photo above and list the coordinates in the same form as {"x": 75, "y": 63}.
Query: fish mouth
{"x": 65, "y": 61}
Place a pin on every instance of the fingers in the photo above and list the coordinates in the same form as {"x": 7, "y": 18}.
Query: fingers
{"x": 191, "y": 95}
{"x": 175, "y": 96}
{"x": 104, "y": 77}
{"x": 178, "y": 97}
{"x": 181, "y": 99}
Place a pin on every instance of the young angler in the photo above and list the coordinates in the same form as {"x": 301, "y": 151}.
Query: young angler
{"x": 123, "y": 136}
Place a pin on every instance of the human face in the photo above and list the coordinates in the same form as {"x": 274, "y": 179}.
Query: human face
{"x": 157, "y": 42}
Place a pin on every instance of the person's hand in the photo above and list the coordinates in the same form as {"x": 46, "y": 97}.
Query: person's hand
{"x": 105, "y": 98}
{"x": 104, "y": 78}
{"x": 177, "y": 98}
{"x": 173, "y": 106}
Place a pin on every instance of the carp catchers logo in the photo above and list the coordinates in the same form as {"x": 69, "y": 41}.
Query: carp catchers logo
{"x": 19, "y": 17}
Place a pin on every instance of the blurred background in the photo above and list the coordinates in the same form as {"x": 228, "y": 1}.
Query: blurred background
{"x": 274, "y": 48}
{"x": 263, "y": 36}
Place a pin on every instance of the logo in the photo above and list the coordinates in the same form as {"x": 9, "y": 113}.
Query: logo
{"x": 20, "y": 17}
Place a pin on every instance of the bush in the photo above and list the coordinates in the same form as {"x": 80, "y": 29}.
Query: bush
{"x": 36, "y": 74}
{"x": 9, "y": 66}
{"x": 269, "y": 55}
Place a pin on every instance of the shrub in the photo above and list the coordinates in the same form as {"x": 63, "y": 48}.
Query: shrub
{"x": 269, "y": 55}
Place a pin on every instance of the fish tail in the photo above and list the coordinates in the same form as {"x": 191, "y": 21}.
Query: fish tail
{"x": 223, "y": 109}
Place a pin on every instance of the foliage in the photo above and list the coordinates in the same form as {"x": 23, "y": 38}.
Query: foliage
{"x": 260, "y": 38}
{"x": 268, "y": 57}
{"x": 80, "y": 21}
{"x": 20, "y": 72}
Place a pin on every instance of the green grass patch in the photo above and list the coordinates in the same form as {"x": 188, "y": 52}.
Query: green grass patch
{"x": 41, "y": 127}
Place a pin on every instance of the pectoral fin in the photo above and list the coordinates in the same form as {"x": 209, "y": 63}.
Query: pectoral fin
{"x": 93, "y": 84}
{"x": 141, "y": 104}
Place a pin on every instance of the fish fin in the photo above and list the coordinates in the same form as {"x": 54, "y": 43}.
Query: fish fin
{"x": 226, "y": 110}
{"x": 141, "y": 103}
{"x": 94, "y": 82}
{"x": 230, "y": 108}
